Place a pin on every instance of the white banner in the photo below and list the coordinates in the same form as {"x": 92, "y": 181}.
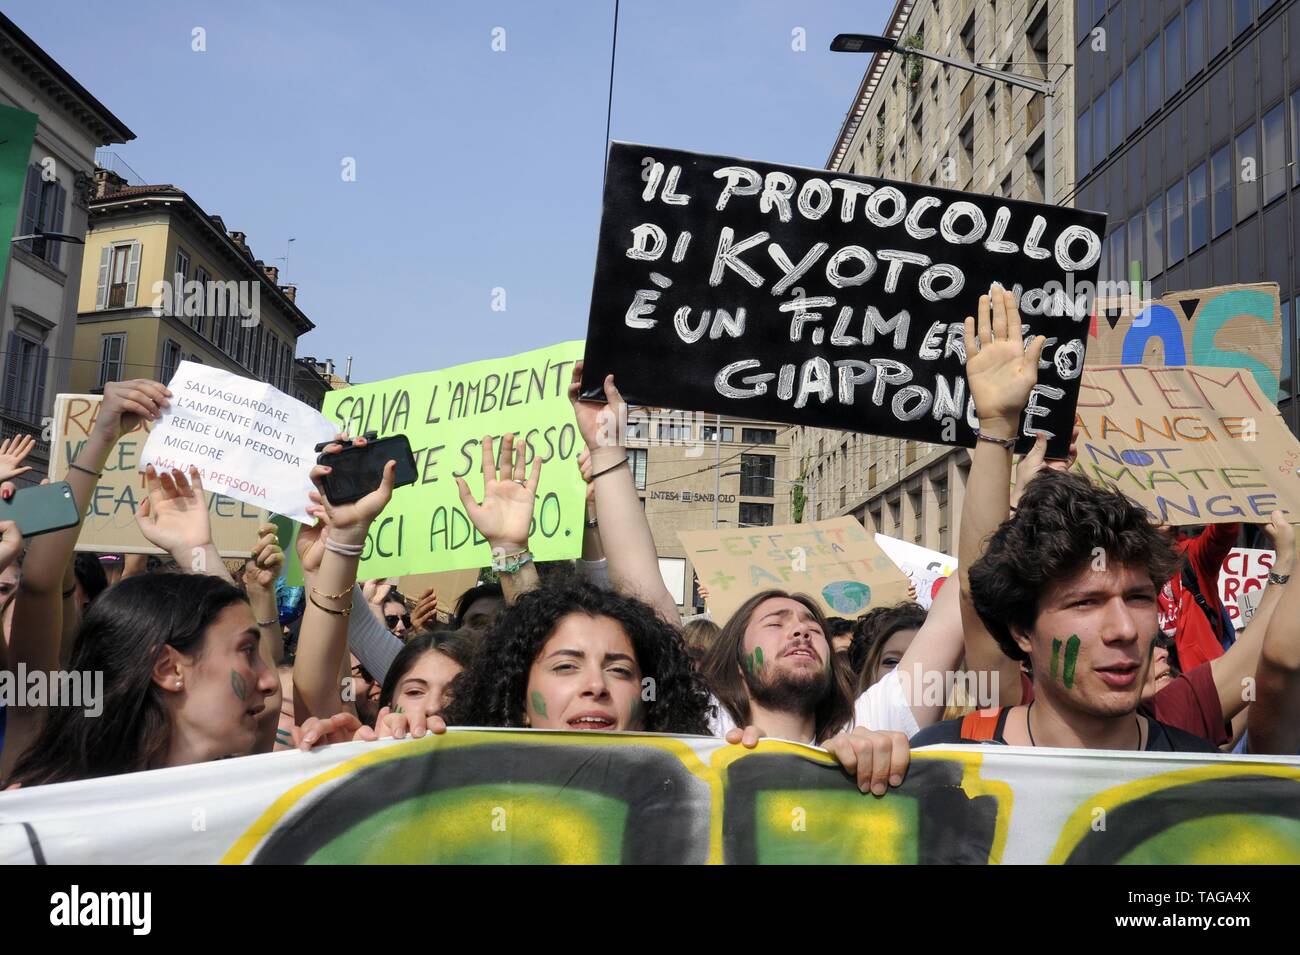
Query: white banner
{"x": 249, "y": 440}
{"x": 531, "y": 796}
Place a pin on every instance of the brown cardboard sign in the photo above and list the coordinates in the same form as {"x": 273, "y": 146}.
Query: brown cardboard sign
{"x": 109, "y": 524}
{"x": 836, "y": 562}
{"x": 1192, "y": 445}
{"x": 1228, "y": 326}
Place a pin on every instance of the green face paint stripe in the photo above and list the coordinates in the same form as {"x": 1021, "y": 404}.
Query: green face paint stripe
{"x": 758, "y": 656}
{"x": 1056, "y": 657}
{"x": 238, "y": 685}
{"x": 539, "y": 704}
{"x": 1071, "y": 656}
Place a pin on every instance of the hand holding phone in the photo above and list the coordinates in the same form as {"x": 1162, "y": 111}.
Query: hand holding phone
{"x": 42, "y": 509}
{"x": 348, "y": 520}
{"x": 358, "y": 469}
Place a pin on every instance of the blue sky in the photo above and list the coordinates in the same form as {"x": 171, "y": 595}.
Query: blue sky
{"x": 475, "y": 169}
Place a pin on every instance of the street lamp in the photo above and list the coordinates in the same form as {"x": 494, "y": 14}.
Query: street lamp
{"x": 870, "y": 43}
{"x": 717, "y": 491}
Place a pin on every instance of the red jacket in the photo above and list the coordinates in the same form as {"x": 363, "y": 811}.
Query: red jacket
{"x": 1197, "y": 640}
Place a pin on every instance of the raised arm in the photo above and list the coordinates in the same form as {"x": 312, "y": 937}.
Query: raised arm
{"x": 1001, "y": 372}
{"x": 1274, "y": 716}
{"x": 1235, "y": 668}
{"x": 36, "y": 631}
{"x": 323, "y": 637}
{"x": 506, "y": 514}
{"x": 259, "y": 585}
{"x": 634, "y": 561}
{"x": 174, "y": 516}
{"x": 936, "y": 648}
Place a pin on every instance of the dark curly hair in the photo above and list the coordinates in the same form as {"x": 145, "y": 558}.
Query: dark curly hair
{"x": 492, "y": 690}
{"x": 872, "y": 631}
{"x": 1060, "y": 524}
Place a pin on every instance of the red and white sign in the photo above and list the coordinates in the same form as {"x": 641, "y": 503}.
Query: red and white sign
{"x": 1244, "y": 570}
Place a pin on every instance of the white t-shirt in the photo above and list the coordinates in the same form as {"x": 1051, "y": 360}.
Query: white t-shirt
{"x": 881, "y": 707}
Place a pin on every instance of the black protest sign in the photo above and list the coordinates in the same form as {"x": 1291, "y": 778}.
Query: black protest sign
{"x": 817, "y": 298}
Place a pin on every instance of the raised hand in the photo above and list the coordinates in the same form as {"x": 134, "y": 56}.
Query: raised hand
{"x": 310, "y": 545}
{"x": 268, "y": 560}
{"x": 348, "y": 522}
{"x": 1035, "y": 460}
{"x": 376, "y": 591}
{"x": 175, "y": 514}
{"x": 1283, "y": 537}
{"x": 1000, "y": 370}
{"x": 126, "y": 404}
{"x": 602, "y": 426}
{"x": 506, "y": 513}
{"x": 13, "y": 451}
{"x": 426, "y": 608}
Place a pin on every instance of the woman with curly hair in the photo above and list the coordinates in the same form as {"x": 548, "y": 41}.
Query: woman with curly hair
{"x": 568, "y": 655}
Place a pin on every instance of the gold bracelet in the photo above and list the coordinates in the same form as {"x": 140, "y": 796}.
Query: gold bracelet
{"x": 338, "y": 596}
{"x": 318, "y": 605}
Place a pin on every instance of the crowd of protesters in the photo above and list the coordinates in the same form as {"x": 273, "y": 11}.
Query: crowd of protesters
{"x": 1095, "y": 627}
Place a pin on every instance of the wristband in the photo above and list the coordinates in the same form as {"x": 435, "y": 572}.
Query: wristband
{"x": 94, "y": 474}
{"x": 1008, "y": 443}
{"x": 591, "y": 522}
{"x": 504, "y": 563}
{"x": 319, "y": 606}
{"x": 338, "y": 596}
{"x": 612, "y": 467}
{"x": 345, "y": 550}
{"x": 1278, "y": 578}
{"x": 272, "y": 622}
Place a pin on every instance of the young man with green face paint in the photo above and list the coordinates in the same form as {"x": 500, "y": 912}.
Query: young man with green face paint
{"x": 1066, "y": 583}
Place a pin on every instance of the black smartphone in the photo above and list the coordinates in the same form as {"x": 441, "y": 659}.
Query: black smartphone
{"x": 359, "y": 469}
{"x": 42, "y": 509}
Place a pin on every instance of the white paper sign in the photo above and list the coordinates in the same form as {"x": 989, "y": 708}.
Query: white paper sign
{"x": 1245, "y": 570}
{"x": 1247, "y": 604}
{"x": 250, "y": 441}
{"x": 925, "y": 568}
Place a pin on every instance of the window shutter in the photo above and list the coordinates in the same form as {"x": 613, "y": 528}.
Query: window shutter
{"x": 101, "y": 287}
{"x": 132, "y": 274}
{"x": 31, "y": 203}
{"x": 54, "y": 250}
{"x": 12, "y": 359}
{"x": 38, "y": 399}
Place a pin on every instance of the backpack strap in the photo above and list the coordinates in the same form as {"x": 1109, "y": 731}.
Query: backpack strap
{"x": 981, "y": 726}
{"x": 1215, "y": 619}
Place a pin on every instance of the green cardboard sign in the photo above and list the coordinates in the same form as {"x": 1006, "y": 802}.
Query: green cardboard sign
{"x": 445, "y": 415}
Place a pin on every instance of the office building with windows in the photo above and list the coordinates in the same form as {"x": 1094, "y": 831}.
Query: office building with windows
{"x": 926, "y": 122}
{"x": 1188, "y": 137}
{"x": 38, "y": 300}
{"x": 696, "y": 471}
